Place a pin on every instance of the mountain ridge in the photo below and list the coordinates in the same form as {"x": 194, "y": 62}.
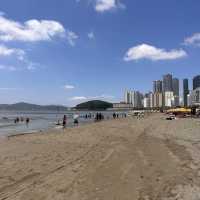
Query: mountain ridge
{"x": 33, "y": 107}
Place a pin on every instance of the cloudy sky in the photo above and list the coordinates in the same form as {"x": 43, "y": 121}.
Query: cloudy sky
{"x": 68, "y": 51}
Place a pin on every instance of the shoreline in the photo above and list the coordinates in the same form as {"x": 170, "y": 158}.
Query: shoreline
{"x": 82, "y": 122}
{"x": 42, "y": 123}
{"x": 56, "y": 129}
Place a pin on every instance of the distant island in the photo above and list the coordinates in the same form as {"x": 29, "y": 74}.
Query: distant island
{"x": 32, "y": 107}
{"x": 94, "y": 105}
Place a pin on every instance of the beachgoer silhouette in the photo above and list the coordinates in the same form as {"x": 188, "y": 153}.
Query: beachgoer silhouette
{"x": 17, "y": 119}
{"x": 27, "y": 121}
{"x": 76, "y": 119}
{"x": 102, "y": 116}
{"x": 97, "y": 117}
{"x": 76, "y": 122}
{"x": 64, "y": 121}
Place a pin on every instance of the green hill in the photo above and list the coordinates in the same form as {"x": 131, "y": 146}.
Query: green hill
{"x": 94, "y": 105}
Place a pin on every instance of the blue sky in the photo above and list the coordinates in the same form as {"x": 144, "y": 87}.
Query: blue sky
{"x": 68, "y": 51}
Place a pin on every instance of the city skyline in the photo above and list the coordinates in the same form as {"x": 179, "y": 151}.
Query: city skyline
{"x": 180, "y": 84}
{"x": 71, "y": 51}
{"x": 165, "y": 93}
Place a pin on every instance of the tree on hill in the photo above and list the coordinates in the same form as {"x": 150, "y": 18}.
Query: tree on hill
{"x": 94, "y": 105}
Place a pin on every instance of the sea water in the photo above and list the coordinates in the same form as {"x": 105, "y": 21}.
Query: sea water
{"x": 41, "y": 120}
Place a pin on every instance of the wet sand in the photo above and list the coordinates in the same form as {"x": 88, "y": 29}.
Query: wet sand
{"x": 123, "y": 159}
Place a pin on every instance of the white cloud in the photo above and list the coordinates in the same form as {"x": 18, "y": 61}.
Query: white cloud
{"x": 91, "y": 35}
{"x": 7, "y": 88}
{"x": 103, "y": 96}
{"x": 34, "y": 30}
{"x": 31, "y": 66}
{"x": 8, "y": 67}
{"x": 193, "y": 40}
{"x": 106, "y": 5}
{"x": 69, "y": 87}
{"x": 71, "y": 37}
{"x": 78, "y": 98}
{"x": 84, "y": 98}
{"x": 20, "y": 55}
{"x": 145, "y": 51}
{"x": 5, "y": 51}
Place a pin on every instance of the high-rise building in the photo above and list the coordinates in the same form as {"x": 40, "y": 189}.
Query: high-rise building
{"x": 167, "y": 83}
{"x": 127, "y": 97}
{"x": 169, "y": 99}
{"x": 176, "y": 101}
{"x": 133, "y": 97}
{"x": 151, "y": 98}
{"x": 146, "y": 95}
{"x": 185, "y": 92}
{"x": 146, "y": 102}
{"x": 157, "y": 86}
{"x": 189, "y": 99}
{"x": 157, "y": 100}
{"x": 137, "y": 99}
{"x": 196, "y": 82}
{"x": 175, "y": 86}
{"x": 195, "y": 97}
{"x": 154, "y": 86}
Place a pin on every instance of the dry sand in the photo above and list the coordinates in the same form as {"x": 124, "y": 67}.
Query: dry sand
{"x": 125, "y": 159}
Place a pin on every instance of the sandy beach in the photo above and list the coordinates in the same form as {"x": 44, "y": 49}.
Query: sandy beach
{"x": 123, "y": 159}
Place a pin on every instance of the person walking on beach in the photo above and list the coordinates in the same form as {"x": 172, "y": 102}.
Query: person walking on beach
{"x": 64, "y": 121}
{"x": 17, "y": 119}
{"x": 76, "y": 120}
{"x": 97, "y": 117}
{"x": 27, "y": 122}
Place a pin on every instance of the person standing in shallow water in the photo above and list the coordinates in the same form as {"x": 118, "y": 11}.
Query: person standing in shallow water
{"x": 76, "y": 122}
{"x": 64, "y": 121}
{"x": 27, "y": 122}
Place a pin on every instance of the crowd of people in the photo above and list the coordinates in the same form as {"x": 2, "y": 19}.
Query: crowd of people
{"x": 116, "y": 115}
{"x": 97, "y": 117}
{"x": 76, "y": 117}
{"x": 22, "y": 119}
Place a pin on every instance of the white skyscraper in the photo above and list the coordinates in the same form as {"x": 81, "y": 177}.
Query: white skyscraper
{"x": 169, "y": 99}
{"x": 133, "y": 97}
{"x": 146, "y": 102}
{"x": 127, "y": 97}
